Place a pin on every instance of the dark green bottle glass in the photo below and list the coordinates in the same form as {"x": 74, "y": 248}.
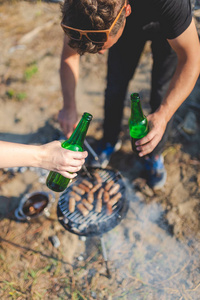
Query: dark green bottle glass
{"x": 56, "y": 181}
{"x": 138, "y": 124}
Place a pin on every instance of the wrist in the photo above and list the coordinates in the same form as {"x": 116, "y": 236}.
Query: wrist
{"x": 38, "y": 157}
{"x": 69, "y": 106}
{"x": 69, "y": 101}
{"x": 164, "y": 113}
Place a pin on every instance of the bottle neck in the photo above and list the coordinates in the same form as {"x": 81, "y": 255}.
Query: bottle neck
{"x": 78, "y": 135}
{"x": 136, "y": 110}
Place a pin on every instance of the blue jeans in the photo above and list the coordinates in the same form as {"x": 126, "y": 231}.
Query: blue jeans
{"x": 123, "y": 59}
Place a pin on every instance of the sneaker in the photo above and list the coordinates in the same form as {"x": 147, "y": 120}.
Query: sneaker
{"x": 104, "y": 152}
{"x": 156, "y": 173}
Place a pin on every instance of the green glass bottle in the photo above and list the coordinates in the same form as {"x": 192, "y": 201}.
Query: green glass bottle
{"x": 56, "y": 181}
{"x": 138, "y": 124}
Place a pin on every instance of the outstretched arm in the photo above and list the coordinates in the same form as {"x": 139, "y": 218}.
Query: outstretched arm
{"x": 187, "y": 47}
{"x": 49, "y": 156}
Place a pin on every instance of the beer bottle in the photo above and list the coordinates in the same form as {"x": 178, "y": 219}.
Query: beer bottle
{"x": 138, "y": 124}
{"x": 56, "y": 181}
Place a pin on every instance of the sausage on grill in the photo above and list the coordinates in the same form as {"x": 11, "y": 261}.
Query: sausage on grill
{"x": 86, "y": 182}
{"x": 77, "y": 189}
{"x": 75, "y": 195}
{"x": 114, "y": 189}
{"x": 72, "y": 203}
{"x": 114, "y": 199}
{"x": 98, "y": 177}
{"x": 90, "y": 197}
{"x": 109, "y": 209}
{"x": 98, "y": 207}
{"x": 88, "y": 205}
{"x": 100, "y": 193}
{"x": 95, "y": 188}
{"x": 83, "y": 209}
{"x": 111, "y": 202}
{"x": 106, "y": 196}
{"x": 108, "y": 185}
{"x": 84, "y": 187}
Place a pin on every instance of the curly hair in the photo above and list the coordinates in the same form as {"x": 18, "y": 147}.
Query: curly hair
{"x": 91, "y": 14}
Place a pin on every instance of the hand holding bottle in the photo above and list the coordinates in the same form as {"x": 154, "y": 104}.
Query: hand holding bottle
{"x": 63, "y": 161}
{"x": 157, "y": 125}
{"x": 56, "y": 181}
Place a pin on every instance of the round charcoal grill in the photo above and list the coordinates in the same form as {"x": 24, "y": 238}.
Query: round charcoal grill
{"x": 94, "y": 223}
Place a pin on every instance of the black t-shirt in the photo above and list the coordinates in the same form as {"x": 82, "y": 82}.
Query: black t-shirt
{"x": 172, "y": 16}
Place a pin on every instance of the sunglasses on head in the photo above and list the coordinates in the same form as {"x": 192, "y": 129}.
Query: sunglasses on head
{"x": 95, "y": 36}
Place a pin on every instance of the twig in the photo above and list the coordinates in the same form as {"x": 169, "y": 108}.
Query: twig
{"x": 184, "y": 293}
{"x": 194, "y": 289}
{"x": 72, "y": 277}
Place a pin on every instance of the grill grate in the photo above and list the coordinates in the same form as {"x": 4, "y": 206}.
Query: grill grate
{"x": 94, "y": 223}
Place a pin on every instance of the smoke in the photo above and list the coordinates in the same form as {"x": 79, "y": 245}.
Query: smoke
{"x": 145, "y": 256}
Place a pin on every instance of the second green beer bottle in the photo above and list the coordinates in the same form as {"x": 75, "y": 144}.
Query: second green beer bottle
{"x": 138, "y": 124}
{"x": 56, "y": 181}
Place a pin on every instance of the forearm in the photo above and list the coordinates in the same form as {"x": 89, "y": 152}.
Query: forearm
{"x": 68, "y": 86}
{"x": 187, "y": 48}
{"x": 180, "y": 87}
{"x": 19, "y": 155}
{"x": 69, "y": 72}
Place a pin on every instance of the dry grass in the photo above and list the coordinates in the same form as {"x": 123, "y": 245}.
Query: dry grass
{"x": 154, "y": 253}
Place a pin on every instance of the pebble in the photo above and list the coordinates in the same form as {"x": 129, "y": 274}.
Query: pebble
{"x": 55, "y": 241}
{"x": 80, "y": 258}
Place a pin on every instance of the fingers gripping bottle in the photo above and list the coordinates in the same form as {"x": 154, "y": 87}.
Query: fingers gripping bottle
{"x": 56, "y": 181}
{"x": 138, "y": 124}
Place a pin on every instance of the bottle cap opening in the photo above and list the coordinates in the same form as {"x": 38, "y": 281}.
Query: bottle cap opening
{"x": 135, "y": 97}
{"x": 88, "y": 116}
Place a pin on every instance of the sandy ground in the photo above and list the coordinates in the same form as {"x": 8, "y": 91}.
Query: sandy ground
{"x": 154, "y": 252}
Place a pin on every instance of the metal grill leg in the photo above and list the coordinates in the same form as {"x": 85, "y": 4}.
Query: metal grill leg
{"x": 105, "y": 256}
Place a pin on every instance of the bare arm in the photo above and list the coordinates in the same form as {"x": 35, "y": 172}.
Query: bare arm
{"x": 69, "y": 72}
{"x": 50, "y": 156}
{"x": 187, "y": 48}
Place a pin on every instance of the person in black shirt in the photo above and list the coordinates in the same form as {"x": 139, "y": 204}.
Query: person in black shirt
{"x": 124, "y": 27}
